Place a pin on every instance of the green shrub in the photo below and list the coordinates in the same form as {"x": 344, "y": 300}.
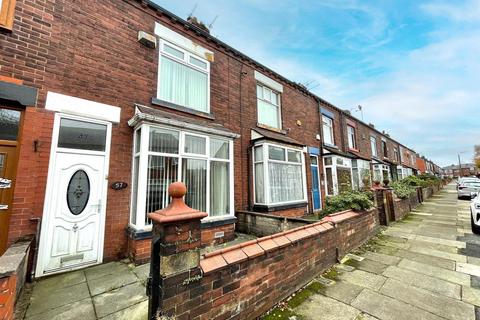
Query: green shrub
{"x": 430, "y": 179}
{"x": 355, "y": 200}
{"x": 402, "y": 189}
{"x": 414, "y": 181}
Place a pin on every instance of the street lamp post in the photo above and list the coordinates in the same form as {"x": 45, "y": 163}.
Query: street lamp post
{"x": 460, "y": 164}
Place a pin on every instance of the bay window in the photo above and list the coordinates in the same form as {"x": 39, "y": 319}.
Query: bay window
{"x": 361, "y": 176}
{"x": 164, "y": 155}
{"x": 338, "y": 174}
{"x": 183, "y": 78}
{"x": 279, "y": 174}
{"x": 381, "y": 172}
{"x": 327, "y": 129}
{"x": 268, "y": 107}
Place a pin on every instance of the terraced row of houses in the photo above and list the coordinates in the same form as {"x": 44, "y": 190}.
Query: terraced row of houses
{"x": 104, "y": 104}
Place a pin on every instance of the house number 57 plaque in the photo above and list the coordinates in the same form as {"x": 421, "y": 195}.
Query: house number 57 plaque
{"x": 119, "y": 185}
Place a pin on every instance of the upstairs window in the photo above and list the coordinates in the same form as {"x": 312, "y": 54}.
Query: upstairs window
{"x": 384, "y": 149}
{"x": 184, "y": 78}
{"x": 327, "y": 127}
{"x": 268, "y": 107}
{"x": 352, "y": 143}
{"x": 373, "y": 145}
{"x": 7, "y": 10}
{"x": 395, "y": 154}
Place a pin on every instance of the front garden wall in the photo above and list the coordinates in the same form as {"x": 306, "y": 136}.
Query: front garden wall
{"x": 246, "y": 280}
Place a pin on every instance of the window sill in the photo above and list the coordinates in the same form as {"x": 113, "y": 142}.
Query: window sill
{"x": 263, "y": 126}
{"x": 173, "y": 106}
{"x": 278, "y": 207}
{"x": 354, "y": 150}
{"x": 330, "y": 145}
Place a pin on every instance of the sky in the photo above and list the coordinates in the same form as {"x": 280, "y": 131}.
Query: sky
{"x": 414, "y": 66}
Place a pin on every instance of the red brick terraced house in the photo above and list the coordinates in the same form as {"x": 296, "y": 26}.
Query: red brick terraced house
{"x": 105, "y": 104}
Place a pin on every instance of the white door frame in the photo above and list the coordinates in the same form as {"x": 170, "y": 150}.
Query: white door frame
{"x": 46, "y": 218}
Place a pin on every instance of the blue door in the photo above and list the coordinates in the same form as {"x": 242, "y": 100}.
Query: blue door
{"x": 316, "y": 199}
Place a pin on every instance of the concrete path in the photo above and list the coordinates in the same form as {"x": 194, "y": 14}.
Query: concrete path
{"x": 110, "y": 291}
{"x": 424, "y": 267}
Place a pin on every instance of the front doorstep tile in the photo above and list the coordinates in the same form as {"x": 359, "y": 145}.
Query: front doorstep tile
{"x": 119, "y": 299}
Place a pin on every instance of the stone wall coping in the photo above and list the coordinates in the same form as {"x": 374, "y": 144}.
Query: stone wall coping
{"x": 11, "y": 260}
{"x": 222, "y": 258}
{"x": 261, "y": 214}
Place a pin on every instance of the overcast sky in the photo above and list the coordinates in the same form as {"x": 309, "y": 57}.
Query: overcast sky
{"x": 414, "y": 66}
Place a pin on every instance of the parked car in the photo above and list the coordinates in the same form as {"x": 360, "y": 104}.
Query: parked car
{"x": 475, "y": 214}
{"x": 468, "y": 189}
{"x": 466, "y": 179}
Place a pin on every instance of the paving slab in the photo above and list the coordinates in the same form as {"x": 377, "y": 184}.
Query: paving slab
{"x": 468, "y": 268}
{"x": 82, "y": 309}
{"x": 435, "y": 285}
{"x": 383, "y": 258}
{"x": 453, "y": 243}
{"x": 41, "y": 302}
{"x": 370, "y": 266}
{"x": 142, "y": 271}
{"x": 328, "y": 308}
{"x": 440, "y": 254}
{"x": 426, "y": 259}
{"x": 363, "y": 279}
{"x": 119, "y": 299}
{"x": 426, "y": 300}
{"x": 471, "y": 295}
{"x": 61, "y": 281}
{"x": 342, "y": 291}
{"x": 387, "y": 308}
{"x": 105, "y": 269}
{"x": 110, "y": 282}
{"x": 138, "y": 311}
{"x": 436, "y": 272}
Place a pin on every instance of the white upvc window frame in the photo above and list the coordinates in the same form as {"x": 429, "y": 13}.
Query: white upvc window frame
{"x": 144, "y": 153}
{"x": 351, "y": 137}
{"x": 327, "y": 124}
{"x": 360, "y": 166}
{"x": 373, "y": 146}
{"x": 266, "y": 176}
{"x": 278, "y": 105}
{"x": 185, "y": 61}
{"x": 381, "y": 168}
{"x": 346, "y": 164}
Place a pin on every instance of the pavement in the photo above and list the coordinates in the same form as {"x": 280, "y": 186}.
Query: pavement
{"x": 426, "y": 266}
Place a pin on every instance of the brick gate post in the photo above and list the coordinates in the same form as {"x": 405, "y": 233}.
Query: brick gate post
{"x": 175, "y": 256}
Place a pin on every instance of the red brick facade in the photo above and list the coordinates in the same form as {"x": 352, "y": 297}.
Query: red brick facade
{"x": 7, "y": 297}
{"x": 91, "y": 51}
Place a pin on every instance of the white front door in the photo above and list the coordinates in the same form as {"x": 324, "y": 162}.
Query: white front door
{"x": 74, "y": 215}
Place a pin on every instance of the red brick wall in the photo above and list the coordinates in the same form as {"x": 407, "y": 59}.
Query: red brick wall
{"x": 90, "y": 50}
{"x": 362, "y": 138}
{"x": 7, "y": 297}
{"x": 139, "y": 250}
{"x": 247, "y": 280}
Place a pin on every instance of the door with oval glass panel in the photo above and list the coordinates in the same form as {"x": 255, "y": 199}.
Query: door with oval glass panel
{"x": 73, "y": 228}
